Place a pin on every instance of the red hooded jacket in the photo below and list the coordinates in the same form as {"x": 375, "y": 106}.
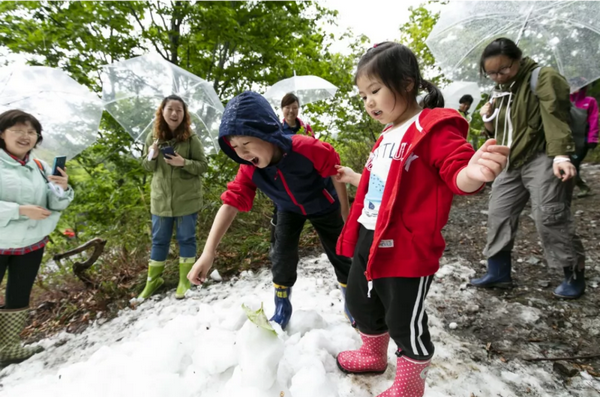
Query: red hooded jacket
{"x": 416, "y": 199}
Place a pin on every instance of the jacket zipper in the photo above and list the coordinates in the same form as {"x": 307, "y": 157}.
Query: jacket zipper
{"x": 328, "y": 196}
{"x": 288, "y": 191}
{"x": 391, "y": 205}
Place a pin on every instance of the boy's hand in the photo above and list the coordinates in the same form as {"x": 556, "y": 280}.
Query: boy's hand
{"x": 200, "y": 269}
{"x": 488, "y": 162}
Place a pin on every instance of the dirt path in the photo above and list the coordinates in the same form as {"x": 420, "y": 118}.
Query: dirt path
{"x": 550, "y": 327}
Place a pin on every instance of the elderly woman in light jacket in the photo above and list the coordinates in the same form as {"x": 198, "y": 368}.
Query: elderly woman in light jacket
{"x": 30, "y": 203}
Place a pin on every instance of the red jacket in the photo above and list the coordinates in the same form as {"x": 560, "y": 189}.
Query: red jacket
{"x": 416, "y": 199}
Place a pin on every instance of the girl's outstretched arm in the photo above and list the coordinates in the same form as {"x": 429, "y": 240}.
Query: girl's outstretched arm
{"x": 347, "y": 175}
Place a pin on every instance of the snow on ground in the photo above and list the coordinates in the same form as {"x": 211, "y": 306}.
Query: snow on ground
{"x": 204, "y": 346}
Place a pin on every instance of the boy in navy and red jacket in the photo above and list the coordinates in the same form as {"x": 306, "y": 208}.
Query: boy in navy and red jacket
{"x": 292, "y": 170}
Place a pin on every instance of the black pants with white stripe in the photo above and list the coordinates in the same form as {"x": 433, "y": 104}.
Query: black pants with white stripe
{"x": 396, "y": 304}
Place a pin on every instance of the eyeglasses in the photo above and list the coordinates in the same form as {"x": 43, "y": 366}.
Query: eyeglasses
{"x": 30, "y": 133}
{"x": 502, "y": 72}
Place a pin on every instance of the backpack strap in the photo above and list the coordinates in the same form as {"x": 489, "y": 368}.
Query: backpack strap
{"x": 41, "y": 168}
{"x": 534, "y": 79}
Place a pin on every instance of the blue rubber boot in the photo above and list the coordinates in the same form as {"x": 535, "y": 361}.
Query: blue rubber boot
{"x": 283, "y": 306}
{"x": 573, "y": 286}
{"x": 498, "y": 272}
{"x": 346, "y": 311}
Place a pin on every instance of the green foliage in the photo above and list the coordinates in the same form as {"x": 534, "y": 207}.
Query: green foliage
{"x": 235, "y": 45}
{"x": 413, "y": 35}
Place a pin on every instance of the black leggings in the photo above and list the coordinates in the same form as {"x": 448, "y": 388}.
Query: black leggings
{"x": 22, "y": 270}
{"x": 396, "y": 304}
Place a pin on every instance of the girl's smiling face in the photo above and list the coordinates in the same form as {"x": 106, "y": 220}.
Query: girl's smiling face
{"x": 173, "y": 114}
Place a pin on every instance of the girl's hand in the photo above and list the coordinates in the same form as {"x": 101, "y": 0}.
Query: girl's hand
{"x": 199, "y": 271}
{"x": 175, "y": 161}
{"x": 62, "y": 181}
{"x": 488, "y": 162}
{"x": 344, "y": 174}
{"x": 34, "y": 212}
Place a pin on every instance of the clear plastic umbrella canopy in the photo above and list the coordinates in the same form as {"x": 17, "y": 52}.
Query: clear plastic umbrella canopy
{"x": 132, "y": 91}
{"x": 561, "y": 34}
{"x": 308, "y": 89}
{"x": 455, "y": 90}
{"x": 68, "y": 111}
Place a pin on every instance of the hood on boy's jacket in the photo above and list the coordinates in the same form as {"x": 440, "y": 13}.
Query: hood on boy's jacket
{"x": 249, "y": 114}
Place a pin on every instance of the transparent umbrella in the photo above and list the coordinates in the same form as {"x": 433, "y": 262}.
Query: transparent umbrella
{"x": 308, "y": 89}
{"x": 561, "y": 34}
{"x": 455, "y": 90}
{"x": 133, "y": 89}
{"x": 68, "y": 111}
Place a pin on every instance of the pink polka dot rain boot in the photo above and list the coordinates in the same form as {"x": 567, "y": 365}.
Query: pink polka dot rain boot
{"x": 370, "y": 358}
{"x": 410, "y": 378}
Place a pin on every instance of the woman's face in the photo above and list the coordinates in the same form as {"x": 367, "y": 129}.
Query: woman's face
{"x": 501, "y": 69}
{"x": 20, "y": 139}
{"x": 173, "y": 114}
{"x": 290, "y": 112}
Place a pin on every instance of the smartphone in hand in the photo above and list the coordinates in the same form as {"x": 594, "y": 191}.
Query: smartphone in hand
{"x": 168, "y": 151}
{"x": 59, "y": 162}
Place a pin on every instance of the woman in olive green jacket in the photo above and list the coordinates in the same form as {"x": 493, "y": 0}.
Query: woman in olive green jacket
{"x": 536, "y": 127}
{"x": 174, "y": 154}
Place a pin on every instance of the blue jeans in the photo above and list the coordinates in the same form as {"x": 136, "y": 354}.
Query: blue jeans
{"x": 162, "y": 230}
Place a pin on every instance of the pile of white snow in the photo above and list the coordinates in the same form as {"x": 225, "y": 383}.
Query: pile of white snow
{"x": 204, "y": 346}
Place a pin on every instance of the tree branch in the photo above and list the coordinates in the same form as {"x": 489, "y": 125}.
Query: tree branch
{"x": 144, "y": 29}
{"x": 79, "y": 268}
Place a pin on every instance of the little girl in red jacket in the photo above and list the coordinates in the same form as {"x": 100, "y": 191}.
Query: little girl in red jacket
{"x": 402, "y": 203}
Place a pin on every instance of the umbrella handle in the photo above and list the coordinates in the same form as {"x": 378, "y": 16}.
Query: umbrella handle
{"x": 492, "y": 117}
{"x": 150, "y": 154}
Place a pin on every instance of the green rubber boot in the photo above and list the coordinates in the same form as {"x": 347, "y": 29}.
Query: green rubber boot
{"x": 155, "y": 271}
{"x": 185, "y": 265}
{"x": 12, "y": 323}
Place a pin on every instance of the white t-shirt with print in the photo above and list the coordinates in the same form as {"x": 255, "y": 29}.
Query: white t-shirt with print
{"x": 379, "y": 164}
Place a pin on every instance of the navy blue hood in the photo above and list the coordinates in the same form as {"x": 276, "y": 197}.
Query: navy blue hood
{"x": 249, "y": 114}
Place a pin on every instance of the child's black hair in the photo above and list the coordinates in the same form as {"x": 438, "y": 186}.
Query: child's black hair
{"x": 396, "y": 67}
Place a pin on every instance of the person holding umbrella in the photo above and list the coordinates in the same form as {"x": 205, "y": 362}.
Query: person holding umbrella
{"x": 535, "y": 125}
{"x": 290, "y": 105}
{"x": 30, "y": 207}
{"x": 175, "y": 156}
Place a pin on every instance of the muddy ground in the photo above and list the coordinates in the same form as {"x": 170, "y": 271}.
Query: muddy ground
{"x": 493, "y": 319}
